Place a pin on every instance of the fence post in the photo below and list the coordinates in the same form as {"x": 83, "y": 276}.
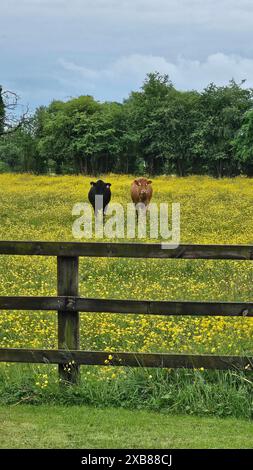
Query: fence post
{"x": 68, "y": 322}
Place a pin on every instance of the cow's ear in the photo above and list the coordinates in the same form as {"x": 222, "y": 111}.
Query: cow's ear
{"x": 149, "y": 181}
{"x": 136, "y": 182}
{"x": 108, "y": 185}
{"x": 92, "y": 183}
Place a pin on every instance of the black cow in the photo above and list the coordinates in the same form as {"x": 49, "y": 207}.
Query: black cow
{"x": 100, "y": 188}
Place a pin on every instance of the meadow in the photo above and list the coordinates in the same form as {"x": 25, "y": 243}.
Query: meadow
{"x": 212, "y": 211}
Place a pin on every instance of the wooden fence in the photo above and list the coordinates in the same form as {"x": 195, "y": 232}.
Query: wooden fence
{"x": 69, "y": 304}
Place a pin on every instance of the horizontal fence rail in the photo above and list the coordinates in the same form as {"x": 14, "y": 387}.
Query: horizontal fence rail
{"x": 44, "y": 356}
{"x": 68, "y": 304}
{"x": 126, "y": 250}
{"x": 145, "y": 307}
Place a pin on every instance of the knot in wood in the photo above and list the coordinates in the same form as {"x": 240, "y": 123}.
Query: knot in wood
{"x": 70, "y": 303}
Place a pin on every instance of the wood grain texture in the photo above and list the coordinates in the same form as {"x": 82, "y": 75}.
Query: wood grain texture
{"x": 146, "y": 307}
{"x": 126, "y": 250}
{"x": 68, "y": 319}
{"x": 125, "y": 359}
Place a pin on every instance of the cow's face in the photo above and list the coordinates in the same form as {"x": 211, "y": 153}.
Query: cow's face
{"x": 143, "y": 186}
{"x": 100, "y": 186}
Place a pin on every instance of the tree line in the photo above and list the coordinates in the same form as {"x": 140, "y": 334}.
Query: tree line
{"x": 156, "y": 130}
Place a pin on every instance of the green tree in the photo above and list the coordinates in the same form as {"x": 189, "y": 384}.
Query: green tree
{"x": 243, "y": 144}
{"x": 176, "y": 134}
{"x": 158, "y": 129}
{"x": 221, "y": 111}
{"x": 54, "y": 144}
{"x": 18, "y": 150}
{"x": 148, "y": 110}
{"x": 2, "y": 112}
{"x": 64, "y": 132}
{"x": 96, "y": 144}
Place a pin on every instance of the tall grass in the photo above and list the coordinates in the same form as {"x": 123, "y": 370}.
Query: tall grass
{"x": 218, "y": 393}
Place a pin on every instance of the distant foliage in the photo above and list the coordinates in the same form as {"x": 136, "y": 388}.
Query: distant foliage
{"x": 157, "y": 130}
{"x": 2, "y": 112}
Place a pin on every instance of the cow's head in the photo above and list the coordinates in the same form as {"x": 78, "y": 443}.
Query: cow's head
{"x": 100, "y": 186}
{"x": 143, "y": 187}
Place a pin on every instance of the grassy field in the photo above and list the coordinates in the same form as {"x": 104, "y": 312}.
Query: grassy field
{"x": 83, "y": 428}
{"x": 212, "y": 211}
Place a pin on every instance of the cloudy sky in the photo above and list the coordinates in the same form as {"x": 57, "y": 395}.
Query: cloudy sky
{"x": 55, "y": 49}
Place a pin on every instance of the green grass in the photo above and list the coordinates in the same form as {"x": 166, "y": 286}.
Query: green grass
{"x": 85, "y": 427}
{"x": 203, "y": 393}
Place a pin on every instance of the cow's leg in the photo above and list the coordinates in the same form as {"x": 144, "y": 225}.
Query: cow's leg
{"x": 140, "y": 209}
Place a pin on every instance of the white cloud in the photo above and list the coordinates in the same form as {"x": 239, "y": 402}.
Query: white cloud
{"x": 215, "y": 14}
{"x": 184, "y": 73}
{"x": 133, "y": 66}
{"x": 83, "y": 71}
{"x": 98, "y": 40}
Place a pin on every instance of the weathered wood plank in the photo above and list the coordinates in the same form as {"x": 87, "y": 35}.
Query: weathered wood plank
{"x": 165, "y": 307}
{"x": 33, "y": 303}
{"x": 126, "y": 250}
{"x": 68, "y": 319}
{"x": 125, "y": 359}
{"x": 74, "y": 304}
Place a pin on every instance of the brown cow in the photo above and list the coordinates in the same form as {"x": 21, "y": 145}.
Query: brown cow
{"x": 141, "y": 191}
